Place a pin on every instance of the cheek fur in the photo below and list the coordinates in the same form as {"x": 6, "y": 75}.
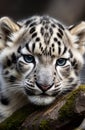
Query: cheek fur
{"x": 21, "y": 66}
{"x": 65, "y": 72}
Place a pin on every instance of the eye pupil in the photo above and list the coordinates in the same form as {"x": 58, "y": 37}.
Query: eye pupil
{"x": 28, "y": 58}
{"x": 61, "y": 61}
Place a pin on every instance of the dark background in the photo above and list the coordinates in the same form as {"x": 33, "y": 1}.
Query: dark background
{"x": 67, "y": 11}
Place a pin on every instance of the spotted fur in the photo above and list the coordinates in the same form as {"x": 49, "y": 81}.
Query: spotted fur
{"x": 40, "y": 60}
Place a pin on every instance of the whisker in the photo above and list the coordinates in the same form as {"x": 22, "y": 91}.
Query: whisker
{"x": 12, "y": 87}
{"x": 28, "y": 88}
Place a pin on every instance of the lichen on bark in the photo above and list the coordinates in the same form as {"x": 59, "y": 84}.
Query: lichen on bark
{"x": 63, "y": 110}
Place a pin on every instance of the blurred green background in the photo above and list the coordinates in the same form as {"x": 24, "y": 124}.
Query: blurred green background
{"x": 67, "y": 11}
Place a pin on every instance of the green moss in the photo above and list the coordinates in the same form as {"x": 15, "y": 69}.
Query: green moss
{"x": 44, "y": 125}
{"x": 13, "y": 122}
{"x": 82, "y": 87}
{"x": 66, "y": 111}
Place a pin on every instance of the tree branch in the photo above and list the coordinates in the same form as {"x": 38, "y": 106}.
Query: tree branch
{"x": 65, "y": 113}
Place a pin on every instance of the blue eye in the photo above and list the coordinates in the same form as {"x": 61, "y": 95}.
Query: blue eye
{"x": 61, "y": 62}
{"x": 29, "y": 58}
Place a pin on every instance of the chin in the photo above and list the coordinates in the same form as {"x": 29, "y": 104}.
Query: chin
{"x": 41, "y": 100}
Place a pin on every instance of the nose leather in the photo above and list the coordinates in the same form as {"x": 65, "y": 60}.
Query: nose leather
{"x": 43, "y": 87}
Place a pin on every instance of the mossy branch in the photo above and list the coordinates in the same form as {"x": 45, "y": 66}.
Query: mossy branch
{"x": 66, "y": 113}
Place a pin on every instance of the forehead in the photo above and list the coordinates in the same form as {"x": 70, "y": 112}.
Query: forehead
{"x": 44, "y": 35}
{"x": 44, "y": 27}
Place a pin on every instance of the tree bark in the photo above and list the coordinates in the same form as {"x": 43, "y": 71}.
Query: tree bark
{"x": 66, "y": 113}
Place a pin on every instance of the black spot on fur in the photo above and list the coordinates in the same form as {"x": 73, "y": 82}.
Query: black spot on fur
{"x": 51, "y": 31}
{"x": 71, "y": 55}
{"x": 60, "y": 31}
{"x": 53, "y": 45}
{"x": 12, "y": 78}
{"x": 34, "y": 35}
{"x": 53, "y": 49}
{"x": 32, "y": 30}
{"x": 37, "y": 39}
{"x": 9, "y": 63}
{"x": 50, "y": 51}
{"x": 6, "y": 72}
{"x": 33, "y": 24}
{"x": 45, "y": 21}
{"x": 33, "y": 47}
{"x": 34, "y": 75}
{"x": 53, "y": 25}
{"x": 55, "y": 73}
{"x": 41, "y": 48}
{"x": 14, "y": 59}
{"x": 27, "y": 47}
{"x": 65, "y": 49}
{"x": 46, "y": 26}
{"x": 42, "y": 31}
{"x": 76, "y": 66}
{"x": 59, "y": 35}
{"x": 4, "y": 100}
{"x": 60, "y": 26}
{"x": 55, "y": 39}
{"x": 40, "y": 45}
{"x": 59, "y": 43}
{"x": 28, "y": 22}
{"x": 73, "y": 62}
{"x": 19, "y": 49}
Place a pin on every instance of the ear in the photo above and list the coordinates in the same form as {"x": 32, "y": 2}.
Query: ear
{"x": 78, "y": 32}
{"x": 7, "y": 27}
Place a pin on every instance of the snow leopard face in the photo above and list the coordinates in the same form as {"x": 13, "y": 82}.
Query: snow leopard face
{"x": 41, "y": 58}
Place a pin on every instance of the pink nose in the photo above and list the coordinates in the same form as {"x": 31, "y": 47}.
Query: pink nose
{"x": 43, "y": 87}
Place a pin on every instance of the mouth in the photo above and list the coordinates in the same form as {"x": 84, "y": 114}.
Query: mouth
{"x": 39, "y": 99}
